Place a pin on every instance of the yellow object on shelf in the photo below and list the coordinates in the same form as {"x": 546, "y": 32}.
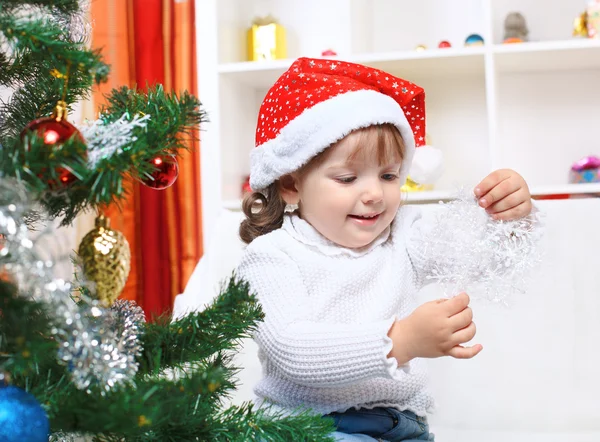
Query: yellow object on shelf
{"x": 411, "y": 186}
{"x": 266, "y": 40}
{"x": 580, "y": 26}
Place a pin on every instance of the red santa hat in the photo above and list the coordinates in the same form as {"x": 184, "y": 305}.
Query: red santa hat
{"x": 318, "y": 102}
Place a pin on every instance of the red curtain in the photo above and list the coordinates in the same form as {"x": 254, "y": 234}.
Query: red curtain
{"x": 157, "y": 38}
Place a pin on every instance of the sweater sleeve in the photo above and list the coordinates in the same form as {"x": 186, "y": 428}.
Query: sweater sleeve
{"x": 310, "y": 353}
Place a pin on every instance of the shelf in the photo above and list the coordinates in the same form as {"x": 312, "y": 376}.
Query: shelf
{"x": 566, "y": 190}
{"x": 409, "y": 64}
{"x": 541, "y": 192}
{"x": 576, "y": 54}
{"x": 573, "y": 54}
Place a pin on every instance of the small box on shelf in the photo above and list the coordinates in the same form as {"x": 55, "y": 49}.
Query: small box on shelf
{"x": 266, "y": 40}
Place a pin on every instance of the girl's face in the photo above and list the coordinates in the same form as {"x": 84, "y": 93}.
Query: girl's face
{"x": 353, "y": 194}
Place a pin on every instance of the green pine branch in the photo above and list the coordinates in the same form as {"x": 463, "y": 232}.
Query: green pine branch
{"x": 161, "y": 405}
{"x": 189, "y": 409}
{"x": 152, "y": 404}
{"x": 247, "y": 424}
{"x": 173, "y": 121}
{"x": 53, "y": 6}
{"x": 42, "y": 58}
{"x": 232, "y": 316}
{"x": 24, "y": 330}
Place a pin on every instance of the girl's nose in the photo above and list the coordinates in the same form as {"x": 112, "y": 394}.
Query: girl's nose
{"x": 373, "y": 193}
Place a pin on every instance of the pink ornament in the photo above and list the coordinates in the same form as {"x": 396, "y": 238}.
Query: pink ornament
{"x": 328, "y": 53}
{"x": 444, "y": 44}
{"x": 586, "y": 163}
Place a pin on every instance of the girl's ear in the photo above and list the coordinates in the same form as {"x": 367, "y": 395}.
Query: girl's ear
{"x": 288, "y": 189}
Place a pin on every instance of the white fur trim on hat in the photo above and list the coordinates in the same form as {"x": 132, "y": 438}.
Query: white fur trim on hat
{"x": 320, "y": 126}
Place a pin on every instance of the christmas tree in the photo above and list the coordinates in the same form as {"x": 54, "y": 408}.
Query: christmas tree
{"x": 73, "y": 361}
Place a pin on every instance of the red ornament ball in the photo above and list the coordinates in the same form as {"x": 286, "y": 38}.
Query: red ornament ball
{"x": 165, "y": 172}
{"x": 328, "y": 53}
{"x": 246, "y": 186}
{"x": 55, "y": 132}
{"x": 444, "y": 44}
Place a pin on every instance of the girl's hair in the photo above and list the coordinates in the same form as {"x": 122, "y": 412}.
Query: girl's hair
{"x": 265, "y": 210}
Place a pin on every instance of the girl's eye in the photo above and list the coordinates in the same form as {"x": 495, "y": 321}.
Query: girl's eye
{"x": 346, "y": 179}
{"x": 389, "y": 176}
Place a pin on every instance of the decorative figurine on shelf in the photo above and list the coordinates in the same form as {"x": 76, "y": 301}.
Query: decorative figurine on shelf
{"x": 515, "y": 28}
{"x": 329, "y": 53}
{"x": 580, "y": 25}
{"x": 444, "y": 44}
{"x": 427, "y": 167}
{"x": 474, "y": 40}
{"x": 421, "y": 48}
{"x": 246, "y": 186}
{"x": 266, "y": 40}
{"x": 593, "y": 19}
{"x": 586, "y": 170}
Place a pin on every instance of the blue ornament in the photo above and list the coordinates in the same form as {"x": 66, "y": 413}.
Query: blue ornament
{"x": 22, "y": 418}
{"x": 474, "y": 40}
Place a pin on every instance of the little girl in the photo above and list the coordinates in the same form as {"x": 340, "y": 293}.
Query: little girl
{"x": 337, "y": 278}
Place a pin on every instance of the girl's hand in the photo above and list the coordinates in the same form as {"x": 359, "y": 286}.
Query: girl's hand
{"x": 504, "y": 195}
{"x": 434, "y": 329}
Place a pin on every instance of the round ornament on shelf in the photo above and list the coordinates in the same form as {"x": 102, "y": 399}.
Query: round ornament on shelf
{"x": 474, "y": 40}
{"x": 421, "y": 48}
{"x": 22, "y": 418}
{"x": 444, "y": 44}
{"x": 328, "y": 53}
{"x": 55, "y": 131}
{"x": 165, "y": 172}
{"x": 106, "y": 260}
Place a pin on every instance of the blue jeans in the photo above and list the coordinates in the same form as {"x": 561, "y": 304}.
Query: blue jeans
{"x": 381, "y": 424}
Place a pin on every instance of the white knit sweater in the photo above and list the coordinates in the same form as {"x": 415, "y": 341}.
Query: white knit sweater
{"x": 323, "y": 343}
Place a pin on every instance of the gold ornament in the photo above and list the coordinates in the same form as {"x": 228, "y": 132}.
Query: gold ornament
{"x": 106, "y": 260}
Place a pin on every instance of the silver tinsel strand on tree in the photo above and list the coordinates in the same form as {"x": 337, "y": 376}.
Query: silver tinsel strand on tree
{"x": 98, "y": 345}
{"x": 128, "y": 317}
{"x": 107, "y": 139}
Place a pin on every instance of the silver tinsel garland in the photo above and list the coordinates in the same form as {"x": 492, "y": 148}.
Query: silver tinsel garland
{"x": 128, "y": 316}
{"x": 98, "y": 345}
{"x": 469, "y": 251}
{"x": 107, "y": 139}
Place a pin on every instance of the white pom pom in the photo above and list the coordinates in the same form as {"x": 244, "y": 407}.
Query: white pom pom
{"x": 427, "y": 165}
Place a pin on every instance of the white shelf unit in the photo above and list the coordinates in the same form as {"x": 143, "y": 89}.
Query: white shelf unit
{"x": 532, "y": 107}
